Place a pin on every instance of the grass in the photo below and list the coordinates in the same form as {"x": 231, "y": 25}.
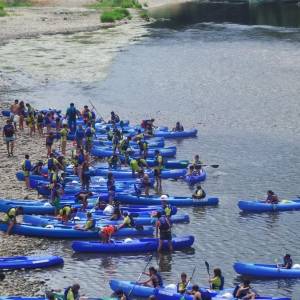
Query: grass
{"x": 144, "y": 15}
{"x": 114, "y": 14}
{"x": 16, "y": 3}
{"x": 116, "y": 3}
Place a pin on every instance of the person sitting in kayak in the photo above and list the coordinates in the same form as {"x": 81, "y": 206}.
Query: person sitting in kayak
{"x": 244, "y": 291}
{"x": 10, "y": 218}
{"x": 217, "y": 282}
{"x": 192, "y": 171}
{"x": 272, "y": 198}
{"x": 116, "y": 215}
{"x": 178, "y": 127}
{"x": 197, "y": 161}
{"x": 181, "y": 286}
{"x": 121, "y": 295}
{"x": 287, "y": 262}
{"x": 199, "y": 193}
{"x": 106, "y": 233}
{"x": 154, "y": 280}
{"x": 67, "y": 213}
{"x": 72, "y": 292}
{"x": 90, "y": 224}
{"x": 196, "y": 292}
{"x": 128, "y": 221}
{"x": 82, "y": 197}
{"x": 197, "y": 170}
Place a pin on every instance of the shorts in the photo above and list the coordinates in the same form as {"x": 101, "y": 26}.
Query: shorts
{"x": 165, "y": 235}
{"x": 9, "y": 139}
{"x": 157, "y": 172}
{"x": 26, "y": 173}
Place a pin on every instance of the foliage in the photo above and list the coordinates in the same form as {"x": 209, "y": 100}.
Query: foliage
{"x": 116, "y": 3}
{"x": 114, "y": 14}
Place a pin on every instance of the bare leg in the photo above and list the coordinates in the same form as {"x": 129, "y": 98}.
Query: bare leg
{"x": 160, "y": 244}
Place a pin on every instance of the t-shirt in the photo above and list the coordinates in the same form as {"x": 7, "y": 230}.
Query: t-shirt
{"x": 216, "y": 283}
{"x": 8, "y": 130}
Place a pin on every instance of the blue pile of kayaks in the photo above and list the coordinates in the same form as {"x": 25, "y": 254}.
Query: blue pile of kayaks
{"x": 38, "y": 219}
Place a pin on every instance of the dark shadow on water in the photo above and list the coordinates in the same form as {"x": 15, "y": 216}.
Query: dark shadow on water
{"x": 243, "y": 13}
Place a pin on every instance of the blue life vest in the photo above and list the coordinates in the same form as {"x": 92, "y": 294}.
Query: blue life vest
{"x": 88, "y": 132}
{"x": 27, "y": 165}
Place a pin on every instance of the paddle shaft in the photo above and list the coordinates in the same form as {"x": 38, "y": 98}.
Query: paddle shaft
{"x": 150, "y": 258}
{"x": 95, "y": 109}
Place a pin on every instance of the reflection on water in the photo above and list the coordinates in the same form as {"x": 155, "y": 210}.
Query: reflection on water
{"x": 246, "y": 13}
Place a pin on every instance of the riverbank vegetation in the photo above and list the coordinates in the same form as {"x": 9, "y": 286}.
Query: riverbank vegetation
{"x": 11, "y": 3}
{"x": 116, "y": 3}
{"x": 115, "y": 14}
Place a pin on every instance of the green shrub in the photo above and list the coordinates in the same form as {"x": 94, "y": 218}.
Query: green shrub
{"x": 114, "y": 15}
{"x": 144, "y": 15}
{"x": 17, "y": 3}
{"x": 116, "y": 3}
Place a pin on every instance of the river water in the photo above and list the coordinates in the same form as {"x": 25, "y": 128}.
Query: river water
{"x": 232, "y": 71}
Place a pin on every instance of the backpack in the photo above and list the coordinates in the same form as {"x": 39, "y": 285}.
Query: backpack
{"x": 164, "y": 223}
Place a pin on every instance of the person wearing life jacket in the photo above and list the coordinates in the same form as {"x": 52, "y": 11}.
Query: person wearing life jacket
{"x": 63, "y": 138}
{"x": 86, "y": 114}
{"x": 178, "y": 127}
{"x": 9, "y": 137}
{"x": 26, "y": 167}
{"x": 89, "y": 134}
{"x": 139, "y": 136}
{"x": 90, "y": 224}
{"x": 272, "y": 198}
{"x": 182, "y": 285}
{"x": 196, "y": 293}
{"x": 37, "y": 168}
{"x": 127, "y": 222}
{"x": 82, "y": 197}
{"x": 159, "y": 164}
{"x": 109, "y": 133}
{"x": 217, "y": 282}
{"x": 40, "y": 123}
{"x": 10, "y": 218}
{"x": 106, "y": 233}
{"x": 30, "y": 120}
{"x": 148, "y": 126}
{"x": 67, "y": 213}
{"x": 287, "y": 262}
{"x": 71, "y": 115}
{"x": 114, "y": 118}
{"x": 72, "y": 292}
{"x": 154, "y": 280}
{"x": 196, "y": 161}
{"x": 114, "y": 161}
{"x": 145, "y": 182}
{"x": 167, "y": 210}
{"x": 143, "y": 146}
{"x": 53, "y": 163}
{"x": 199, "y": 193}
{"x": 134, "y": 167}
{"x": 124, "y": 144}
{"x": 79, "y": 136}
{"x": 163, "y": 229}
{"x": 244, "y": 291}
{"x": 117, "y": 137}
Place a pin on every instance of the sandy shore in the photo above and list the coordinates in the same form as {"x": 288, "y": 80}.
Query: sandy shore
{"x": 16, "y": 284}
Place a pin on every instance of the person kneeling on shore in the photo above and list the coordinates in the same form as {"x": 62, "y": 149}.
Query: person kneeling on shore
{"x": 10, "y": 218}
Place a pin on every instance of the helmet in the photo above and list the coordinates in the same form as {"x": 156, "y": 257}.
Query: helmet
{"x": 164, "y": 197}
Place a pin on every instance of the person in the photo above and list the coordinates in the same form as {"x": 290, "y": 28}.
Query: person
{"x": 37, "y": 168}
{"x": 21, "y": 114}
{"x": 244, "y": 291}
{"x": 30, "y": 120}
{"x": 55, "y": 197}
{"x": 272, "y": 198}
{"x": 167, "y": 210}
{"x": 85, "y": 176}
{"x": 49, "y": 142}
{"x": 197, "y": 161}
{"x": 217, "y": 282}
{"x": 72, "y": 292}
{"x": 114, "y": 161}
{"x": 90, "y": 224}
{"x": 86, "y": 115}
{"x": 127, "y": 222}
{"x": 154, "y": 280}
{"x": 111, "y": 187}
{"x": 178, "y": 127}
{"x": 71, "y": 115}
{"x": 196, "y": 292}
{"x": 29, "y": 108}
{"x": 49, "y": 117}
{"x": 139, "y": 135}
{"x": 143, "y": 146}
{"x": 199, "y": 193}
{"x": 145, "y": 182}
{"x": 163, "y": 228}
{"x": 106, "y": 233}
{"x": 116, "y": 214}
{"x": 148, "y": 125}
{"x": 114, "y": 118}
{"x": 82, "y": 197}
{"x": 9, "y": 137}
{"x": 182, "y": 285}
{"x": 124, "y": 144}
{"x": 121, "y": 295}
{"x": 80, "y": 162}
{"x": 134, "y": 166}
{"x": 79, "y": 135}
{"x": 40, "y": 123}
{"x": 26, "y": 167}
{"x": 10, "y": 217}
{"x": 287, "y": 262}
{"x": 159, "y": 162}
{"x": 52, "y": 163}
{"x": 116, "y": 140}
{"x": 89, "y": 134}
{"x": 63, "y": 138}
{"x": 67, "y": 213}
{"x": 14, "y": 108}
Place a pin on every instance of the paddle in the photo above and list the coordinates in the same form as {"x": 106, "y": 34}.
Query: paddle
{"x": 95, "y": 109}
{"x": 212, "y": 166}
{"x": 186, "y": 288}
{"x": 150, "y": 258}
{"x": 207, "y": 269}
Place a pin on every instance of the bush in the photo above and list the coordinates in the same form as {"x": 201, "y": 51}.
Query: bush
{"x": 144, "y": 15}
{"x": 17, "y": 3}
{"x": 116, "y": 3}
{"x": 114, "y": 15}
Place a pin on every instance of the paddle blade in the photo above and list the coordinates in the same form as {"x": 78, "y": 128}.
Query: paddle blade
{"x": 207, "y": 266}
{"x": 214, "y": 166}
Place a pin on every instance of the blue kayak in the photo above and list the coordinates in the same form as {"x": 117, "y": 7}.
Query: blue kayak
{"x": 265, "y": 271}
{"x": 262, "y": 206}
{"x": 68, "y": 232}
{"x": 102, "y": 220}
{"x": 151, "y": 144}
{"x": 135, "y": 245}
{"x": 29, "y": 262}
{"x": 192, "y": 179}
{"x": 176, "y": 201}
{"x": 176, "y": 134}
{"x": 108, "y": 152}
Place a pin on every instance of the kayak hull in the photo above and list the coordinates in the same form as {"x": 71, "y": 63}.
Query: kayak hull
{"x": 261, "y": 206}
